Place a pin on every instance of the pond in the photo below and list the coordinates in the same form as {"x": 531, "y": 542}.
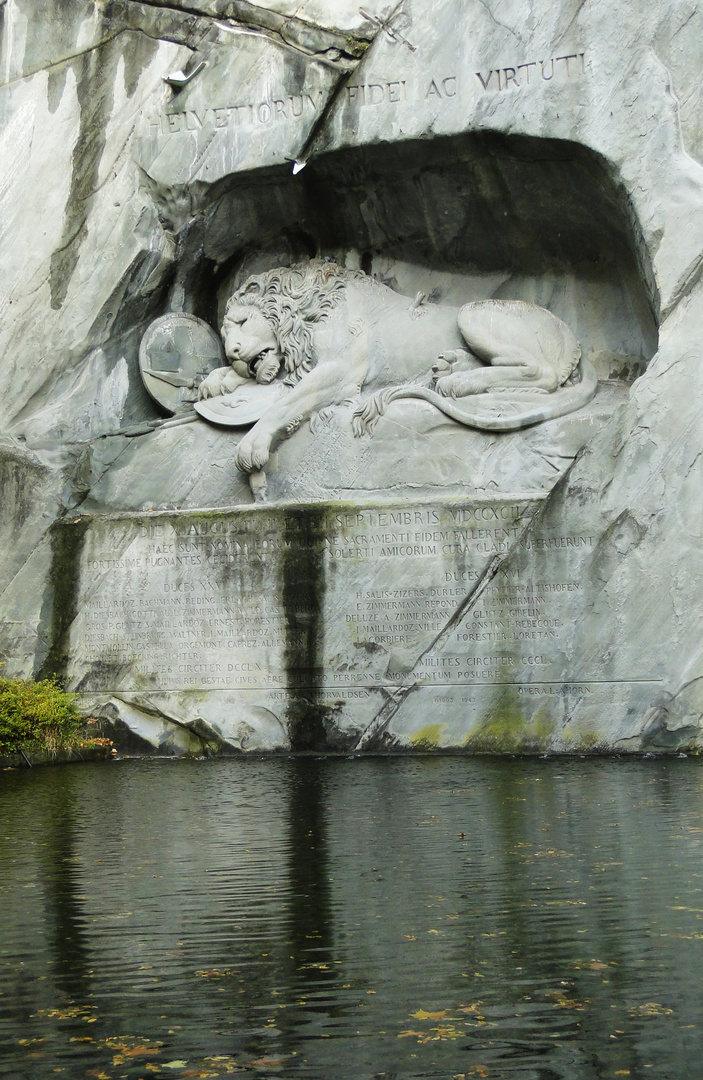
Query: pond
{"x": 352, "y": 919}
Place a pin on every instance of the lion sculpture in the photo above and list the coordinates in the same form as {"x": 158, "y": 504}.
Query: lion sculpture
{"x": 328, "y": 334}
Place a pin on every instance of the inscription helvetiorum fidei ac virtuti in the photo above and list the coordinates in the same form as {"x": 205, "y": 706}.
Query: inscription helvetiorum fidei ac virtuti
{"x": 352, "y": 375}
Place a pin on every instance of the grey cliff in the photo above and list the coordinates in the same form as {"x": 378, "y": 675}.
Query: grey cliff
{"x": 445, "y": 494}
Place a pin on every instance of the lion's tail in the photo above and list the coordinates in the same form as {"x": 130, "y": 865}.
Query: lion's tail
{"x": 565, "y": 400}
{"x": 366, "y": 416}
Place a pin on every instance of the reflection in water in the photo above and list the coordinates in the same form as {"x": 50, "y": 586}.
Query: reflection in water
{"x": 437, "y": 917}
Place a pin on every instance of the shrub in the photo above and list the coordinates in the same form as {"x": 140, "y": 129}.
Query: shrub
{"x": 36, "y": 716}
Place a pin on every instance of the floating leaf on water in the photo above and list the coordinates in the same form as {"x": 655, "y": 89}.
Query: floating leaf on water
{"x": 67, "y": 1012}
{"x": 133, "y": 1045}
{"x": 560, "y": 1000}
{"x": 650, "y": 1008}
{"x": 448, "y": 1031}
{"x": 421, "y": 1014}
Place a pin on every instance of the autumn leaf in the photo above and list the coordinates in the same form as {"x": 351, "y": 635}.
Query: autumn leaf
{"x": 422, "y": 1015}
{"x": 560, "y": 1000}
{"x": 650, "y": 1008}
{"x": 448, "y": 1031}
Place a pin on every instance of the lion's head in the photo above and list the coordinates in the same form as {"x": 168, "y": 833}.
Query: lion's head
{"x": 291, "y": 301}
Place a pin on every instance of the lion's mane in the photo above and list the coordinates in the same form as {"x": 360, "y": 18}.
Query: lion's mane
{"x": 293, "y": 300}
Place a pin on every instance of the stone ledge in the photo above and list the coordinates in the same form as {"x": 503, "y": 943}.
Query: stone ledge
{"x": 59, "y": 757}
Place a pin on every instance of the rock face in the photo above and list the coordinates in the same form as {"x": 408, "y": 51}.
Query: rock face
{"x": 429, "y": 530}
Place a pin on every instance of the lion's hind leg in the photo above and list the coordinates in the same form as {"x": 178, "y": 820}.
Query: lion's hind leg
{"x": 506, "y": 371}
{"x": 521, "y": 342}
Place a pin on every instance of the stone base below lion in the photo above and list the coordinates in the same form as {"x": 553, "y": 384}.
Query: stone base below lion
{"x": 414, "y": 450}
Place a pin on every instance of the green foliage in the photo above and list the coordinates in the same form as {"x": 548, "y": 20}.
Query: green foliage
{"x": 36, "y": 716}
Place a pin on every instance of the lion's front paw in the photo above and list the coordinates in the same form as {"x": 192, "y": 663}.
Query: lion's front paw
{"x": 215, "y": 383}
{"x": 253, "y": 451}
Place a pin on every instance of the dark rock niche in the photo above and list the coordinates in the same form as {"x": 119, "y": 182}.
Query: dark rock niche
{"x": 532, "y": 210}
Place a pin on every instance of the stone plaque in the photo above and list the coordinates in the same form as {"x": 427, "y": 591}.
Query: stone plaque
{"x": 176, "y": 353}
{"x": 373, "y": 626}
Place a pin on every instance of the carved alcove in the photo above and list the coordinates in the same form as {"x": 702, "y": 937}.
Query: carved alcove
{"x": 460, "y": 219}
{"x": 463, "y": 218}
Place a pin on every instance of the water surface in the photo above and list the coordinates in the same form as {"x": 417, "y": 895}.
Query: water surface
{"x": 427, "y": 917}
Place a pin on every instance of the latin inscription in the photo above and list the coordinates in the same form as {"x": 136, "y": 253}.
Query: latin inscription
{"x": 394, "y": 91}
{"x": 193, "y": 602}
{"x": 536, "y": 71}
{"x": 283, "y": 107}
{"x": 197, "y": 603}
{"x": 514, "y": 626}
{"x": 244, "y": 114}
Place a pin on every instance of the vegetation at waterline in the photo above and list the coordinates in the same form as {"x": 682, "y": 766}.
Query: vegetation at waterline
{"x": 39, "y": 716}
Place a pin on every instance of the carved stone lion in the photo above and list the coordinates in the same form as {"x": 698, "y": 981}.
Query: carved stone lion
{"x": 329, "y": 333}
